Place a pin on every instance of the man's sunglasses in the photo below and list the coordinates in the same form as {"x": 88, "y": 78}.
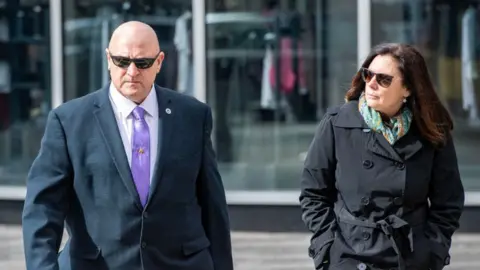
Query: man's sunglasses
{"x": 384, "y": 80}
{"x": 141, "y": 63}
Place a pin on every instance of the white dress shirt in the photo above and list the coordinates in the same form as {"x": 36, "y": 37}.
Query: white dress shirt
{"x": 122, "y": 108}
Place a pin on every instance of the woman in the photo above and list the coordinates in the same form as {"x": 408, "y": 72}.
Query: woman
{"x": 381, "y": 187}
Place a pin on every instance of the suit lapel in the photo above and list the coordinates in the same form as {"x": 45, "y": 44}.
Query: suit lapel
{"x": 107, "y": 124}
{"x": 166, "y": 113}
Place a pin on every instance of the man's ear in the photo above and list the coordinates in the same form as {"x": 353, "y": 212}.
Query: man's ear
{"x": 108, "y": 58}
{"x": 160, "y": 59}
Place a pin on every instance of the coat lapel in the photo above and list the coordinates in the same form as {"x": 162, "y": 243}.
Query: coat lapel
{"x": 380, "y": 146}
{"x": 166, "y": 113}
{"x": 410, "y": 144}
{"x": 107, "y": 124}
{"x": 412, "y": 149}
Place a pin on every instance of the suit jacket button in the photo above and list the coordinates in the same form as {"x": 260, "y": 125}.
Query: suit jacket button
{"x": 398, "y": 201}
{"x": 367, "y": 164}
{"x": 144, "y": 245}
{"x": 361, "y": 266}
{"x": 401, "y": 166}
{"x": 145, "y": 214}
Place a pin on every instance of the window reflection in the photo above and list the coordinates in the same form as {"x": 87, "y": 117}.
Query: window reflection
{"x": 269, "y": 69}
{"x": 24, "y": 85}
{"x": 87, "y": 30}
{"x": 447, "y": 33}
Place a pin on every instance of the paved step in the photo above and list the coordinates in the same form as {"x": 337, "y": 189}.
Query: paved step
{"x": 253, "y": 251}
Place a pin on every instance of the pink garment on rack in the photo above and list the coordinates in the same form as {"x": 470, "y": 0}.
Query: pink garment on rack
{"x": 288, "y": 76}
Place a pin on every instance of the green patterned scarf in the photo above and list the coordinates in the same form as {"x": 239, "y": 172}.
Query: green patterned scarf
{"x": 400, "y": 124}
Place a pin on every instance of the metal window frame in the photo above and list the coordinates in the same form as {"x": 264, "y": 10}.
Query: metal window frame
{"x": 364, "y": 30}
{"x": 199, "y": 50}
{"x": 56, "y": 53}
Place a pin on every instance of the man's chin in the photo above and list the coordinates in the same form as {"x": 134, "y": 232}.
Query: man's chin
{"x": 132, "y": 84}
{"x": 132, "y": 88}
{"x": 135, "y": 94}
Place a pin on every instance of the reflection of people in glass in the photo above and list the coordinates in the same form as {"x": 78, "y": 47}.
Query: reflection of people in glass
{"x": 381, "y": 187}
{"x": 132, "y": 171}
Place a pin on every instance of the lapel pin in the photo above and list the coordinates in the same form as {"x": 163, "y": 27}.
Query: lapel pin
{"x": 366, "y": 130}
{"x": 168, "y": 111}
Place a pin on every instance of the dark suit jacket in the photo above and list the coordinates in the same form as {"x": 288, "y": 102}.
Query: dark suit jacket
{"x": 82, "y": 177}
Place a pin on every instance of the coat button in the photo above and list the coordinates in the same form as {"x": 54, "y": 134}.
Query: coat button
{"x": 447, "y": 260}
{"x": 367, "y": 164}
{"x": 398, "y": 201}
{"x": 143, "y": 245}
{"x": 361, "y": 266}
{"x": 145, "y": 214}
{"x": 365, "y": 200}
{"x": 401, "y": 166}
{"x": 365, "y": 236}
{"x": 311, "y": 252}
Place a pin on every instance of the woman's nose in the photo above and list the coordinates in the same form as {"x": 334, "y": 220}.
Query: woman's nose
{"x": 373, "y": 82}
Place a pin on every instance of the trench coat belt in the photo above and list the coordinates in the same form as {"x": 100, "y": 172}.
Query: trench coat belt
{"x": 388, "y": 226}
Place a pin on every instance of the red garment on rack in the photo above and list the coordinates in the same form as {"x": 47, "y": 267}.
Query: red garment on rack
{"x": 288, "y": 76}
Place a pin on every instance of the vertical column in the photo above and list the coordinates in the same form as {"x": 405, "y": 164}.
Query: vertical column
{"x": 56, "y": 55}
{"x": 320, "y": 50}
{"x": 364, "y": 27}
{"x": 199, "y": 50}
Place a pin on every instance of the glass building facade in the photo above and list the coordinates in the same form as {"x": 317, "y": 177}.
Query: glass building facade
{"x": 226, "y": 53}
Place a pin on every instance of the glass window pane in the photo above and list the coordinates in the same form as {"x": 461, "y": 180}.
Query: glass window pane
{"x": 262, "y": 131}
{"x": 24, "y": 85}
{"x": 89, "y": 25}
{"x": 447, "y": 33}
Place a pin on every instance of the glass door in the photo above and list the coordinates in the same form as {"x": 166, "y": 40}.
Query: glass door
{"x": 272, "y": 69}
{"x": 24, "y": 85}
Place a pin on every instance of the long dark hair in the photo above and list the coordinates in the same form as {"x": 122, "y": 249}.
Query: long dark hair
{"x": 429, "y": 115}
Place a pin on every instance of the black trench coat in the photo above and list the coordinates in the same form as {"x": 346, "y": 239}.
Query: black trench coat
{"x": 371, "y": 205}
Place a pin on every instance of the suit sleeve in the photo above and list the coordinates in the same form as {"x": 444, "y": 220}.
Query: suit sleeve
{"x": 46, "y": 202}
{"x": 446, "y": 195}
{"x": 212, "y": 200}
{"x": 318, "y": 192}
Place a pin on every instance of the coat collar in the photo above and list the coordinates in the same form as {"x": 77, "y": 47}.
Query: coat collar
{"x": 348, "y": 116}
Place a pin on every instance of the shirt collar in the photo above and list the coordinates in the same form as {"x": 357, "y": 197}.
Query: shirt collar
{"x": 125, "y": 106}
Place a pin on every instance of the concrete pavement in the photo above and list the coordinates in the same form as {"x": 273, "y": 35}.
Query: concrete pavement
{"x": 254, "y": 251}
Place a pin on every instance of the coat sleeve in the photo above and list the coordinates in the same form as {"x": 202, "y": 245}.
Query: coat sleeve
{"x": 46, "y": 202}
{"x": 318, "y": 192}
{"x": 446, "y": 196}
{"x": 211, "y": 196}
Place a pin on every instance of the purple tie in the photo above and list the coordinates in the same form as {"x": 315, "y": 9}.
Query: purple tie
{"x": 141, "y": 154}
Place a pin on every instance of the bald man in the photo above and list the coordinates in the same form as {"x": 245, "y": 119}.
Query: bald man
{"x": 131, "y": 171}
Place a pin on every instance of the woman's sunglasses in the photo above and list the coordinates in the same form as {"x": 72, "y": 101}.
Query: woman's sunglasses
{"x": 141, "y": 63}
{"x": 384, "y": 80}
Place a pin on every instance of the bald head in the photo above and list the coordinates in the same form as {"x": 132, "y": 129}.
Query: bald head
{"x": 136, "y": 34}
{"x": 134, "y": 59}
